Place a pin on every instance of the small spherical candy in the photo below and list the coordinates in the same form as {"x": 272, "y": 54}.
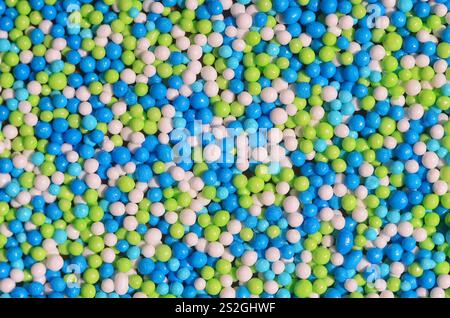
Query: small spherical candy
{"x": 350, "y": 167}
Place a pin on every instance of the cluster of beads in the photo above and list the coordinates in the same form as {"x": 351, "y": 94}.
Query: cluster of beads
{"x": 224, "y": 148}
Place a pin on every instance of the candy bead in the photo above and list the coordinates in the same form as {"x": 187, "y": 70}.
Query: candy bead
{"x": 224, "y": 149}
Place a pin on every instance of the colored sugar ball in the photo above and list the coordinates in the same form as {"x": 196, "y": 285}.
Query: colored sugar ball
{"x": 224, "y": 149}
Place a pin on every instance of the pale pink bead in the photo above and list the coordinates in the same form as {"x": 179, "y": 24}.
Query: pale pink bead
{"x": 245, "y": 98}
{"x": 149, "y": 71}
{"x": 345, "y": 22}
{"x": 329, "y": 93}
{"x": 359, "y": 214}
{"x": 244, "y": 21}
{"x": 148, "y": 251}
{"x": 267, "y": 34}
{"x": 237, "y": 8}
{"x": 234, "y": 226}
{"x": 54, "y": 262}
{"x": 380, "y": 93}
{"x": 403, "y": 125}
{"x": 419, "y": 148}
{"x": 26, "y": 56}
{"x": 212, "y": 152}
{"x": 17, "y": 275}
{"x": 10, "y": 132}
{"x": 422, "y": 60}
{"x": 411, "y": 166}
{"x": 275, "y": 135}
{"x": 278, "y": 116}
{"x": 228, "y": 292}
{"x": 269, "y": 94}
{"x": 390, "y": 230}
{"x": 377, "y": 52}
{"x": 354, "y": 48}
{"x": 341, "y": 130}
{"x": 104, "y": 30}
{"x": 325, "y": 192}
{"x": 83, "y": 93}
{"x": 272, "y": 254}
{"x": 200, "y": 39}
{"x": 5, "y": 179}
{"x": 98, "y": 228}
{"x": 439, "y": 80}
{"x": 283, "y": 37}
{"x": 117, "y": 208}
{"x": 244, "y": 274}
{"x": 405, "y": 229}
{"x": 338, "y": 221}
{"x": 52, "y": 55}
{"x": 215, "y": 39}
{"x": 194, "y": 52}
{"x": 121, "y": 283}
{"x": 366, "y": 169}
{"x": 280, "y": 84}
{"x": 267, "y": 198}
{"x": 440, "y": 66}
{"x": 386, "y": 294}
{"x": 130, "y": 223}
{"x": 440, "y": 187}
{"x": 249, "y": 258}
{"x": 128, "y": 76}
{"x": 340, "y": 190}
{"x": 291, "y": 204}
{"x": 407, "y": 62}
{"x": 295, "y": 219}
{"x": 433, "y": 175}
{"x": 420, "y": 234}
{"x": 430, "y": 160}
{"x": 182, "y": 43}
{"x": 293, "y": 236}
{"x": 226, "y": 238}
{"x": 107, "y": 285}
{"x": 351, "y": 285}
{"x": 317, "y": 112}
{"x": 335, "y": 30}
{"x": 287, "y": 96}
{"x": 231, "y": 31}
{"x": 437, "y": 132}
{"x": 303, "y": 270}
{"x": 382, "y": 22}
{"x": 271, "y": 287}
{"x": 226, "y": 280}
{"x": 306, "y": 256}
{"x": 41, "y": 182}
{"x": 326, "y": 214}
{"x": 34, "y": 87}
{"x": 38, "y": 270}
{"x": 171, "y": 217}
{"x": 93, "y": 181}
{"x": 443, "y": 281}
{"x": 7, "y": 285}
{"x": 19, "y": 161}
{"x": 331, "y": 20}
{"x": 278, "y": 267}
{"x": 440, "y": 9}
{"x": 208, "y": 73}
{"x": 337, "y": 259}
{"x": 117, "y": 38}
{"x": 153, "y": 236}
{"x": 291, "y": 109}
{"x": 437, "y": 292}
{"x": 147, "y": 57}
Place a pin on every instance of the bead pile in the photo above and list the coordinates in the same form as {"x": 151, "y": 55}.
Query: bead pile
{"x": 224, "y": 148}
